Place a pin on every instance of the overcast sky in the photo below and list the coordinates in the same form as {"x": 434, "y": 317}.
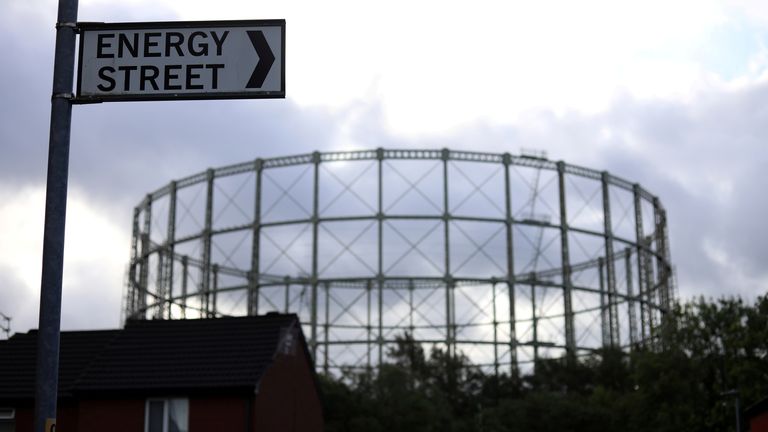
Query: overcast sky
{"x": 670, "y": 94}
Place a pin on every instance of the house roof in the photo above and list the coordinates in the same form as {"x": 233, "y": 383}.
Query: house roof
{"x": 159, "y": 355}
{"x": 756, "y": 409}
{"x": 18, "y": 356}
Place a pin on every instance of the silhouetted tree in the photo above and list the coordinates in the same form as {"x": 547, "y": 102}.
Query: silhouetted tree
{"x": 709, "y": 347}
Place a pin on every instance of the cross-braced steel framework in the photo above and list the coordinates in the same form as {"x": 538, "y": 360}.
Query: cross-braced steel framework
{"x": 507, "y": 258}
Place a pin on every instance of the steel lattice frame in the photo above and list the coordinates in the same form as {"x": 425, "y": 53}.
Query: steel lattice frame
{"x": 506, "y": 258}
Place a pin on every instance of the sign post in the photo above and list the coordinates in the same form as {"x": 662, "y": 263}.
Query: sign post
{"x": 136, "y": 62}
{"x": 49, "y": 321}
{"x": 181, "y": 60}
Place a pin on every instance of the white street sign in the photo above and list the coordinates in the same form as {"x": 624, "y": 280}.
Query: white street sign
{"x": 181, "y": 60}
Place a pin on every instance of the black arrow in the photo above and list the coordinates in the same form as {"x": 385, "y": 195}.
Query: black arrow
{"x": 266, "y": 59}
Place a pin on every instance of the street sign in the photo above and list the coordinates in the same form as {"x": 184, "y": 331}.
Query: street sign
{"x": 181, "y": 60}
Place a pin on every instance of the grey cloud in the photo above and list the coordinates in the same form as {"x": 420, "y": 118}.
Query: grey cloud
{"x": 122, "y": 151}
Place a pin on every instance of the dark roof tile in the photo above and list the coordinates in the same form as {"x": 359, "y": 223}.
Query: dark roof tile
{"x": 152, "y": 355}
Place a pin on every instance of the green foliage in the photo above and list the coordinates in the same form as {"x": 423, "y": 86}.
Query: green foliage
{"x": 708, "y": 347}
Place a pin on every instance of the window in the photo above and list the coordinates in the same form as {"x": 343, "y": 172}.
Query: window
{"x": 166, "y": 415}
{"x": 7, "y": 417}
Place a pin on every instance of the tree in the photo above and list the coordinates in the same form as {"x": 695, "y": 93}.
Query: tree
{"x": 710, "y": 346}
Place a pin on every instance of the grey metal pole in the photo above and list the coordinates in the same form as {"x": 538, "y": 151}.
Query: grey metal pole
{"x": 47, "y": 375}
{"x": 450, "y": 324}
{"x": 565, "y": 260}
{"x": 254, "y": 284}
{"x": 170, "y": 248}
{"x": 315, "y": 228}
{"x": 207, "y": 245}
{"x": 736, "y": 404}
{"x": 509, "y": 222}
{"x": 145, "y": 251}
{"x": 380, "y": 253}
{"x": 610, "y": 265}
{"x": 640, "y": 262}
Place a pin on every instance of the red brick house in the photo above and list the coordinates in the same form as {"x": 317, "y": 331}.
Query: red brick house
{"x": 757, "y": 416}
{"x": 225, "y": 374}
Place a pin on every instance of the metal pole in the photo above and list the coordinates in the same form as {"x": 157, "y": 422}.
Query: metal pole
{"x": 215, "y": 289}
{"x": 145, "y": 251}
{"x": 315, "y": 227}
{"x": 326, "y": 326}
{"x": 565, "y": 258}
{"x": 133, "y": 284}
{"x": 184, "y": 281}
{"x": 604, "y": 325}
{"x": 380, "y": 245}
{"x": 652, "y": 305}
{"x": 207, "y": 238}
{"x": 640, "y": 261}
{"x": 661, "y": 258}
{"x": 368, "y": 287}
{"x": 610, "y": 269}
{"x": 495, "y": 332}
{"x": 47, "y": 373}
{"x": 534, "y": 322}
{"x": 170, "y": 245}
{"x": 287, "y": 293}
{"x": 255, "y": 274}
{"x": 160, "y": 293}
{"x": 410, "y": 307}
{"x": 736, "y": 404}
{"x": 450, "y": 325}
{"x": 510, "y": 264}
{"x": 630, "y": 298}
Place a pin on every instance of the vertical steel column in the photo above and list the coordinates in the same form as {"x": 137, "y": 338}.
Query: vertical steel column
{"x": 145, "y": 251}
{"x": 326, "y": 326}
{"x": 207, "y": 237}
{"x": 565, "y": 260}
{"x": 450, "y": 324}
{"x": 368, "y": 327}
{"x": 509, "y": 222}
{"x": 315, "y": 228}
{"x": 610, "y": 268}
{"x": 381, "y": 320}
{"x": 495, "y": 331}
{"x": 287, "y": 293}
{"x": 170, "y": 248}
{"x": 640, "y": 261}
{"x": 134, "y": 286}
{"x": 47, "y": 363}
{"x": 410, "y": 306}
{"x": 159, "y": 279}
{"x": 254, "y": 280}
{"x": 184, "y": 277}
{"x": 534, "y": 320}
{"x": 649, "y": 291}
{"x": 215, "y": 292}
{"x": 661, "y": 259}
{"x": 380, "y": 245}
{"x": 630, "y": 299}
{"x": 605, "y": 330}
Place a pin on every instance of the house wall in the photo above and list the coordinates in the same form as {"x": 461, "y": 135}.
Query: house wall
{"x": 218, "y": 414}
{"x": 66, "y": 417}
{"x": 288, "y": 399}
{"x": 115, "y": 415}
{"x": 759, "y": 423}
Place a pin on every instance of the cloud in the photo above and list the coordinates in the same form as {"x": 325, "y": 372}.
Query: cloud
{"x": 573, "y": 84}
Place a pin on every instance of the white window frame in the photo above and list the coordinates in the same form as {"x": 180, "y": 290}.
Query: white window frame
{"x": 166, "y": 412}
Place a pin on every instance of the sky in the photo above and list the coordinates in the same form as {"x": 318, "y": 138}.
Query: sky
{"x": 670, "y": 94}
